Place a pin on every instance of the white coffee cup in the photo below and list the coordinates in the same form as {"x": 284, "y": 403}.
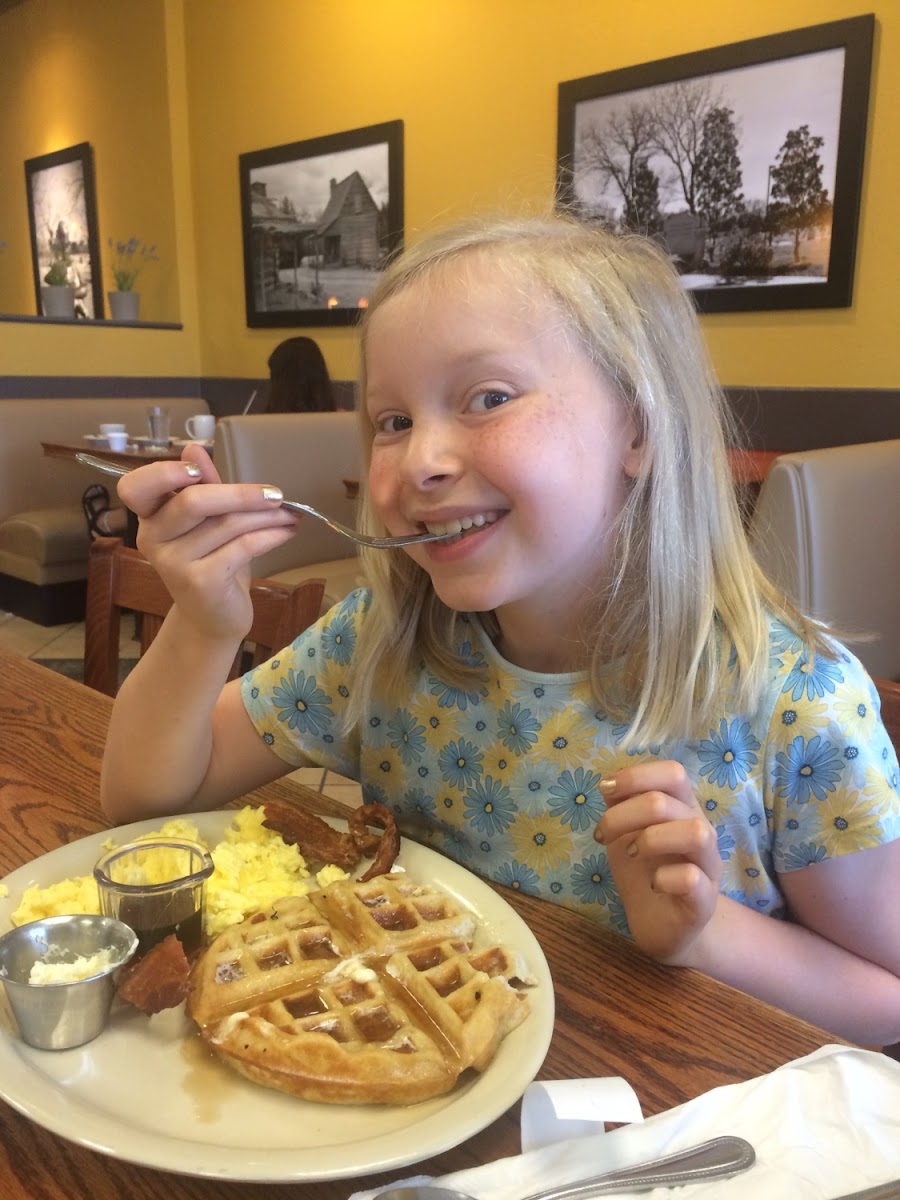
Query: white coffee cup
{"x": 201, "y": 427}
{"x": 117, "y": 440}
{"x": 111, "y": 427}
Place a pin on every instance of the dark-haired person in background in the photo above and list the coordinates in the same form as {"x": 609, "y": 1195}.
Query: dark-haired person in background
{"x": 299, "y": 378}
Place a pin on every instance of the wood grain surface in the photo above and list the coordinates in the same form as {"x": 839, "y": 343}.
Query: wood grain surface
{"x": 672, "y": 1034}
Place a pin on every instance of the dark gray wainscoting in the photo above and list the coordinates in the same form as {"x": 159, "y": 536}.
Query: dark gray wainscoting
{"x": 225, "y": 397}
{"x": 810, "y": 418}
{"x": 770, "y": 418}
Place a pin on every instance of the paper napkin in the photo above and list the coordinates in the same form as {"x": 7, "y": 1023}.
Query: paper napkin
{"x": 823, "y": 1125}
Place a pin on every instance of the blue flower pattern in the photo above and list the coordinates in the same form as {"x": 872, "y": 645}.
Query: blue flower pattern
{"x": 473, "y": 772}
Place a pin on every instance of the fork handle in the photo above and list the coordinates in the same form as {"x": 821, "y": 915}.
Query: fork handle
{"x": 715, "y": 1159}
{"x": 101, "y": 464}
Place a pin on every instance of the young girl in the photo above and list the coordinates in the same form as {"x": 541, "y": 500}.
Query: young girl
{"x": 587, "y": 691}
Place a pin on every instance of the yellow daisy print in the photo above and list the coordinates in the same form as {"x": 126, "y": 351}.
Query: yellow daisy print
{"x": 541, "y": 843}
{"x": 848, "y": 823}
{"x": 499, "y": 761}
{"x": 791, "y": 714}
{"x": 566, "y": 741}
{"x": 855, "y": 715}
{"x": 381, "y": 764}
{"x": 878, "y": 790}
{"x": 440, "y": 727}
{"x": 744, "y": 869}
{"x": 718, "y": 800}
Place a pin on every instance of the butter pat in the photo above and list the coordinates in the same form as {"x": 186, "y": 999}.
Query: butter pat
{"x": 83, "y": 967}
{"x": 351, "y": 968}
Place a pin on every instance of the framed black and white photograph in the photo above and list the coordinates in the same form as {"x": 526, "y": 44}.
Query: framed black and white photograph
{"x": 745, "y": 161}
{"x": 320, "y": 220}
{"x": 65, "y": 250}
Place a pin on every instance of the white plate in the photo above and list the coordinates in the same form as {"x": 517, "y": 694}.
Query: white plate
{"x": 96, "y": 438}
{"x": 144, "y": 439}
{"x": 192, "y": 442}
{"x": 147, "y": 1091}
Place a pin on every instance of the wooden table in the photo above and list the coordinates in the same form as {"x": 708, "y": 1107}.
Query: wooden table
{"x": 672, "y": 1034}
{"x": 134, "y": 456}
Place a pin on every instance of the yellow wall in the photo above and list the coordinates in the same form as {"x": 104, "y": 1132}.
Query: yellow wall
{"x": 475, "y": 82}
{"x": 93, "y": 71}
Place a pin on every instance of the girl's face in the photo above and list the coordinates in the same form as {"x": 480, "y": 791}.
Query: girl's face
{"x": 491, "y": 420}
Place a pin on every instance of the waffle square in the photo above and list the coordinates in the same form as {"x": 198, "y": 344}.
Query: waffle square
{"x": 268, "y": 955}
{"x": 344, "y": 1042}
{"x": 472, "y": 996}
{"x": 391, "y": 913}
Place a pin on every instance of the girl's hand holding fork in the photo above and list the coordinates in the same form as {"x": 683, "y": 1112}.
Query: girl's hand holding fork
{"x": 202, "y": 540}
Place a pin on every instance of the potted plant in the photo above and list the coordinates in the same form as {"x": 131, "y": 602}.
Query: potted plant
{"x": 129, "y": 259}
{"x": 58, "y": 294}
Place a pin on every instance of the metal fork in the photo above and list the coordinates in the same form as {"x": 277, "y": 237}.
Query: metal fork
{"x": 364, "y": 539}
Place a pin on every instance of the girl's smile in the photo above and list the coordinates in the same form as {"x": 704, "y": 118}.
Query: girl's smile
{"x": 492, "y": 423}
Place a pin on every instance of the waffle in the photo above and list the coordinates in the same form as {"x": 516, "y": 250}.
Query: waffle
{"x": 366, "y": 992}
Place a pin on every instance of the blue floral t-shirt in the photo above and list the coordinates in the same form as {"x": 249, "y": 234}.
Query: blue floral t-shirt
{"x": 503, "y": 776}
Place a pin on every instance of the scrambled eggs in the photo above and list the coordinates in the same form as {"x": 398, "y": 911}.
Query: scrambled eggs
{"x": 254, "y": 867}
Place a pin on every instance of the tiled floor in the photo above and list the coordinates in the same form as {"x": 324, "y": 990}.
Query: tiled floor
{"x": 67, "y": 641}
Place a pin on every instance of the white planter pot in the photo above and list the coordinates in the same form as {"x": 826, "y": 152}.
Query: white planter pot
{"x": 124, "y": 306}
{"x": 58, "y": 301}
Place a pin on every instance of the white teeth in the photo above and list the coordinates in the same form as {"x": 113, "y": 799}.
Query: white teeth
{"x": 451, "y": 528}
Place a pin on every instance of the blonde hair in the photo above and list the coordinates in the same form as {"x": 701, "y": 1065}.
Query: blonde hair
{"x": 685, "y": 612}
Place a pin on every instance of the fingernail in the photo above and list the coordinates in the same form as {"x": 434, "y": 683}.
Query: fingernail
{"x": 607, "y": 786}
{"x": 631, "y": 850}
{"x": 599, "y": 835}
{"x": 193, "y": 470}
{"x": 276, "y": 495}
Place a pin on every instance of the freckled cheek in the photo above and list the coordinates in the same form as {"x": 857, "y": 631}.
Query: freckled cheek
{"x": 382, "y": 482}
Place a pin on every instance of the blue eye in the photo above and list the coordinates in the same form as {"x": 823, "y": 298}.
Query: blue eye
{"x": 485, "y": 401}
{"x": 394, "y": 424}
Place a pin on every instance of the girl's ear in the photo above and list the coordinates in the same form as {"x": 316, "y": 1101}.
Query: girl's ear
{"x": 635, "y": 456}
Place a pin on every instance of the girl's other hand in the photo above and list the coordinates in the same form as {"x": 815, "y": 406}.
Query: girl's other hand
{"x": 202, "y": 540}
{"x": 664, "y": 857}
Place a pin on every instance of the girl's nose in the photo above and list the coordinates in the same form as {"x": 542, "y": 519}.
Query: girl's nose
{"x": 431, "y": 458}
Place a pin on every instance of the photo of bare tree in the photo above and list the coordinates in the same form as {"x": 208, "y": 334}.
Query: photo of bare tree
{"x": 745, "y": 162}
{"x": 320, "y": 219}
{"x": 63, "y": 222}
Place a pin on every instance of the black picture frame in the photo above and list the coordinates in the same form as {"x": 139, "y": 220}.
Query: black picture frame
{"x": 732, "y": 242}
{"x": 62, "y": 211}
{"x": 320, "y": 218}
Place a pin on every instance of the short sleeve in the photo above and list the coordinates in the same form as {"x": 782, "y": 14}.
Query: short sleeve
{"x": 298, "y": 700}
{"x": 831, "y": 769}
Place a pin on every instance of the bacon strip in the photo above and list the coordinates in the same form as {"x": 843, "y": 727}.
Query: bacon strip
{"x": 318, "y": 841}
{"x": 315, "y": 837}
{"x": 385, "y": 848}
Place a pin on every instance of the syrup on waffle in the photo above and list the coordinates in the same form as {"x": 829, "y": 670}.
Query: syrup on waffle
{"x": 366, "y": 992}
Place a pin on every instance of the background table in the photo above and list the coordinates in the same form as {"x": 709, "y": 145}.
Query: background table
{"x": 134, "y": 456}
{"x": 671, "y": 1033}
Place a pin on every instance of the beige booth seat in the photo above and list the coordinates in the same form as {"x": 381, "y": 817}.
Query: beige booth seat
{"x": 307, "y": 455}
{"x": 44, "y": 540}
{"x": 826, "y": 527}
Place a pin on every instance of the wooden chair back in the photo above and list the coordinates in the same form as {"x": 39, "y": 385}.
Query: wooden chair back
{"x": 121, "y": 579}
